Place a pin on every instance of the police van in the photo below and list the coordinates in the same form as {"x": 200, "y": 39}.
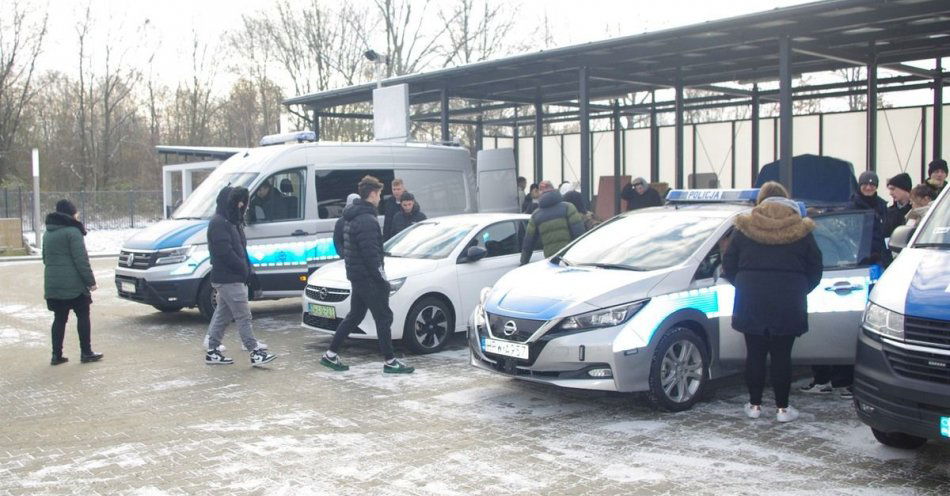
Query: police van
{"x": 902, "y": 368}
{"x": 298, "y": 190}
{"x": 639, "y": 305}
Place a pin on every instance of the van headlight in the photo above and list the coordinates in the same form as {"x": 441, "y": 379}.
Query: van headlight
{"x": 605, "y": 317}
{"x": 880, "y": 320}
{"x": 173, "y": 255}
{"x": 395, "y": 284}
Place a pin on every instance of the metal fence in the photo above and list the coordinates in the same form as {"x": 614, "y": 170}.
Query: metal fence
{"x": 97, "y": 209}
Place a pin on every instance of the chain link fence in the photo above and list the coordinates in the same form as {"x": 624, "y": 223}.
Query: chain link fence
{"x": 97, "y": 209}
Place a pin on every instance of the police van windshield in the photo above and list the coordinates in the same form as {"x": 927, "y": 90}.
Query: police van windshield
{"x": 642, "y": 241}
{"x": 936, "y": 232}
{"x": 202, "y": 202}
{"x": 427, "y": 240}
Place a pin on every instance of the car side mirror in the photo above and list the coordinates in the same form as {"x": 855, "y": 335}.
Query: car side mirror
{"x": 475, "y": 253}
{"x": 900, "y": 237}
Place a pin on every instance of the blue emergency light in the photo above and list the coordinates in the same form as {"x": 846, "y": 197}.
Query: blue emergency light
{"x": 294, "y": 137}
{"x": 712, "y": 195}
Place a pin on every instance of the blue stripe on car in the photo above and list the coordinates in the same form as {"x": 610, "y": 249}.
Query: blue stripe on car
{"x": 178, "y": 238}
{"x": 928, "y": 295}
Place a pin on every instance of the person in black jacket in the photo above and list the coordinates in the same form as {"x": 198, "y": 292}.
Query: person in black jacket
{"x": 230, "y": 273}
{"x": 338, "y": 226}
{"x": 408, "y": 214}
{"x": 639, "y": 194}
{"x": 899, "y": 188}
{"x": 774, "y": 262}
{"x": 363, "y": 259}
{"x": 866, "y": 199}
{"x": 391, "y": 207}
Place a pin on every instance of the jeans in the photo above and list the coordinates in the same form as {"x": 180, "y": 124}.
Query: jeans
{"x": 232, "y": 304}
{"x": 61, "y": 308}
{"x": 374, "y": 297}
{"x": 758, "y": 349}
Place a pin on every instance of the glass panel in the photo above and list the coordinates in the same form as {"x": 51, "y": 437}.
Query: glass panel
{"x": 203, "y": 201}
{"x": 936, "y": 232}
{"x": 438, "y": 192}
{"x": 278, "y": 198}
{"x": 333, "y": 186}
{"x": 844, "y": 239}
{"x": 498, "y": 239}
{"x": 430, "y": 239}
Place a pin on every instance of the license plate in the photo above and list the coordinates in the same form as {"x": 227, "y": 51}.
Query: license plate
{"x": 127, "y": 287}
{"x": 945, "y": 426}
{"x": 506, "y": 348}
{"x": 324, "y": 311}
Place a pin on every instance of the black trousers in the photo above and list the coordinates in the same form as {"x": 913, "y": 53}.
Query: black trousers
{"x": 838, "y": 375}
{"x": 779, "y": 349}
{"x": 61, "y": 309}
{"x": 374, "y": 297}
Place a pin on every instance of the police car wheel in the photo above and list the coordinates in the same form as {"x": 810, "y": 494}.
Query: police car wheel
{"x": 679, "y": 370}
{"x": 898, "y": 439}
{"x": 207, "y": 300}
{"x": 429, "y": 326}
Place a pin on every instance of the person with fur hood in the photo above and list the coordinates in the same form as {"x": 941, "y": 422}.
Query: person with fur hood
{"x": 68, "y": 280}
{"x": 774, "y": 262}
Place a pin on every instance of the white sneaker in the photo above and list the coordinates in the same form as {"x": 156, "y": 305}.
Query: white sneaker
{"x": 813, "y": 388}
{"x": 786, "y": 414}
{"x": 753, "y": 411}
{"x": 207, "y": 346}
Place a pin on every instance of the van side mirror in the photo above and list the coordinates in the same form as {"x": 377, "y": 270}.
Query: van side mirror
{"x": 900, "y": 237}
{"x": 475, "y": 253}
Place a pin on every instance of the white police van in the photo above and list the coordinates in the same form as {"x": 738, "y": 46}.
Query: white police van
{"x": 902, "y": 368}
{"x": 638, "y": 304}
{"x": 166, "y": 265}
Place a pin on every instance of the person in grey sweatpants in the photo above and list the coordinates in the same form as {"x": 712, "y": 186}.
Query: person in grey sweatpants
{"x": 230, "y": 274}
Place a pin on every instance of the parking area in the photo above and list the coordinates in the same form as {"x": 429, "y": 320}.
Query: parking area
{"x": 151, "y": 418}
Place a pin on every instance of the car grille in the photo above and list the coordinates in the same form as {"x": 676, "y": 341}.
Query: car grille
{"x": 136, "y": 259}
{"x": 923, "y": 366}
{"x": 525, "y": 327}
{"x": 927, "y": 331}
{"x": 332, "y": 295}
{"x": 325, "y": 323}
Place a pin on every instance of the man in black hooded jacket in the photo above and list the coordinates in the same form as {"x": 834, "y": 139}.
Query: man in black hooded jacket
{"x": 866, "y": 198}
{"x": 230, "y": 273}
{"x": 363, "y": 258}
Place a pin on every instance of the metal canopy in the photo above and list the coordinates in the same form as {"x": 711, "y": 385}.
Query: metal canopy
{"x": 823, "y": 36}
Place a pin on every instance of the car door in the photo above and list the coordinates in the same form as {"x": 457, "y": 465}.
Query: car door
{"x": 835, "y": 307}
{"x": 502, "y": 242}
{"x": 497, "y": 181}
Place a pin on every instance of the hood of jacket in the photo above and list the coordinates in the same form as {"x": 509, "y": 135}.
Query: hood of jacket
{"x": 358, "y": 207}
{"x": 774, "y": 224}
{"x": 550, "y": 198}
{"x": 227, "y": 204}
{"x": 56, "y": 220}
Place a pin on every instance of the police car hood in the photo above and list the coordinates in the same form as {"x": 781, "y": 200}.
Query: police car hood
{"x": 544, "y": 291}
{"x": 168, "y": 234}
{"x": 395, "y": 268}
{"x": 917, "y": 284}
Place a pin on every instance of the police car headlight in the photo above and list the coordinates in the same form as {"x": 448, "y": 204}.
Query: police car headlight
{"x": 173, "y": 256}
{"x": 880, "y": 320}
{"x": 395, "y": 284}
{"x": 605, "y": 317}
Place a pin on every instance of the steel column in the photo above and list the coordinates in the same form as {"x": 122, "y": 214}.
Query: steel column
{"x": 516, "y": 137}
{"x": 872, "y": 116}
{"x": 617, "y": 155}
{"x": 444, "y": 114}
{"x": 923, "y": 143}
{"x": 479, "y": 134}
{"x": 732, "y": 157}
{"x": 315, "y": 123}
{"x": 538, "y": 139}
{"x": 679, "y": 135}
{"x": 654, "y": 143}
{"x": 584, "y": 102}
{"x": 755, "y": 133}
{"x": 938, "y": 113}
{"x": 786, "y": 110}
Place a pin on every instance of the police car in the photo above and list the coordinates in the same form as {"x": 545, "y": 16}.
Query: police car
{"x": 638, "y": 304}
{"x": 902, "y": 368}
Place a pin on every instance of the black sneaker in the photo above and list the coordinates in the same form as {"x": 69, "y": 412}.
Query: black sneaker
{"x": 397, "y": 367}
{"x": 56, "y": 360}
{"x": 215, "y": 357}
{"x": 260, "y": 356}
{"x": 90, "y": 357}
{"x": 845, "y": 393}
{"x": 334, "y": 363}
{"x": 813, "y": 388}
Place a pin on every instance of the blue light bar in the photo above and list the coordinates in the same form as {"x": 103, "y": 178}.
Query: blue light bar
{"x": 713, "y": 195}
{"x": 294, "y": 137}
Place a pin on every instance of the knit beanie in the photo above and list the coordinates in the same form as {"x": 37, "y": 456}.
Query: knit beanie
{"x": 65, "y": 206}
{"x": 901, "y": 181}
{"x": 938, "y": 164}
{"x": 868, "y": 177}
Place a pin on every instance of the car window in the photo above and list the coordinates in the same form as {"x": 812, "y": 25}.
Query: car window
{"x": 844, "y": 238}
{"x": 713, "y": 260}
{"x": 333, "y": 186}
{"x": 278, "y": 198}
{"x": 437, "y": 192}
{"x": 498, "y": 239}
{"x": 522, "y": 233}
{"x": 936, "y": 232}
{"x": 202, "y": 203}
{"x": 430, "y": 239}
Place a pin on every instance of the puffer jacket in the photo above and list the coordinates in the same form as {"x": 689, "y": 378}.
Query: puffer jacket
{"x": 774, "y": 262}
{"x": 362, "y": 244}
{"x": 556, "y": 223}
{"x": 401, "y": 220}
{"x": 879, "y": 253}
{"x": 226, "y": 241}
{"x": 66, "y": 270}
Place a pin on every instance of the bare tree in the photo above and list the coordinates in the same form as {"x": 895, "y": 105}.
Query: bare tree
{"x": 411, "y": 43}
{"x": 476, "y": 30}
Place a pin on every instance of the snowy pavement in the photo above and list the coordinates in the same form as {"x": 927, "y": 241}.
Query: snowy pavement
{"x": 152, "y": 419}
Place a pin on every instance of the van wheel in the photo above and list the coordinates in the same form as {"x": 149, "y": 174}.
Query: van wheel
{"x": 167, "y": 308}
{"x": 207, "y": 300}
{"x": 898, "y": 439}
{"x": 679, "y": 371}
{"x": 429, "y": 325}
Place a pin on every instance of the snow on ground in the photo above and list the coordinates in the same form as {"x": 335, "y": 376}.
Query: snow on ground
{"x": 98, "y": 241}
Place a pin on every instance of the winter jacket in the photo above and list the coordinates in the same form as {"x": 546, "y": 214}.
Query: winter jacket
{"x": 895, "y": 217}
{"x": 362, "y": 244}
{"x": 227, "y": 243}
{"x": 556, "y": 223}
{"x": 66, "y": 271}
{"x": 401, "y": 220}
{"x": 649, "y": 198}
{"x": 934, "y": 189}
{"x": 389, "y": 207}
{"x": 879, "y": 254}
{"x": 338, "y": 236}
{"x": 529, "y": 205}
{"x": 774, "y": 262}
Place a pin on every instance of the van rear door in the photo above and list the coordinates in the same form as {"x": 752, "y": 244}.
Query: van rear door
{"x": 496, "y": 181}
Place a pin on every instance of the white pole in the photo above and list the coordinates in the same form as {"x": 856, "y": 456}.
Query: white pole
{"x": 36, "y": 198}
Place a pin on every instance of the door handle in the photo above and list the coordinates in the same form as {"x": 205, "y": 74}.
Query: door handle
{"x": 844, "y": 287}
{"x": 299, "y": 232}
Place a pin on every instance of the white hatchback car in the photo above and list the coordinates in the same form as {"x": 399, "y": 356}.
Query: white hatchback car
{"x": 436, "y": 267}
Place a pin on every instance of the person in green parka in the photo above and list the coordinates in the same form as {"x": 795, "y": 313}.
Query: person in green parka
{"x": 67, "y": 279}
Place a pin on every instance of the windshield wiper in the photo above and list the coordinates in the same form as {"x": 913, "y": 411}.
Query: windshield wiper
{"x": 612, "y": 266}
{"x": 931, "y": 245}
{"x": 561, "y": 261}
{"x": 187, "y": 218}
